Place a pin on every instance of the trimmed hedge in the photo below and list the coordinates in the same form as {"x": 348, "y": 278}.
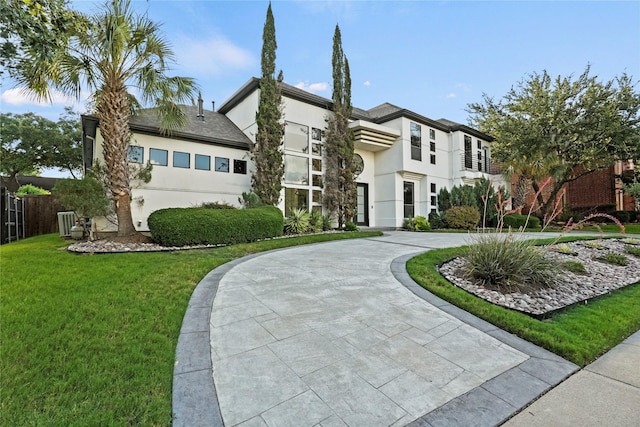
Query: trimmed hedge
{"x": 517, "y": 221}
{"x": 202, "y": 226}
{"x": 462, "y": 217}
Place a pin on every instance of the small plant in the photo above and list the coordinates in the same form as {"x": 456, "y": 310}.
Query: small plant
{"x": 250, "y": 200}
{"x": 462, "y": 217}
{"x": 298, "y": 222}
{"x": 631, "y": 241}
{"x": 437, "y": 221}
{"x": 315, "y": 221}
{"x": 327, "y": 222}
{"x": 30, "y": 189}
{"x": 500, "y": 262}
{"x": 418, "y": 223}
{"x": 633, "y": 251}
{"x": 575, "y": 266}
{"x": 350, "y": 226}
{"x": 613, "y": 258}
{"x": 593, "y": 245}
{"x": 565, "y": 249}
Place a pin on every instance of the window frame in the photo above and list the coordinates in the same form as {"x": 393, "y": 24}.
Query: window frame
{"x": 217, "y": 164}
{"x": 188, "y": 166}
{"x": 159, "y": 150}
{"x": 195, "y": 162}
{"x": 130, "y": 151}
{"x": 415, "y": 139}
{"x": 240, "y": 166}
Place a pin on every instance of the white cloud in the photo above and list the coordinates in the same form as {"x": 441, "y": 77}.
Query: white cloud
{"x": 367, "y": 83}
{"x": 213, "y": 56}
{"x": 451, "y": 95}
{"x": 465, "y": 87}
{"x": 20, "y": 96}
{"x": 313, "y": 87}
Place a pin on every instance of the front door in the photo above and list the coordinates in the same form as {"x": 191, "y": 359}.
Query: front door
{"x": 362, "y": 211}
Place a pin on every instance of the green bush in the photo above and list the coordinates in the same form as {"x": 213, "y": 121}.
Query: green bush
{"x": 633, "y": 251}
{"x": 202, "y": 226}
{"x": 613, "y": 258}
{"x": 86, "y": 196}
{"x": 437, "y": 221}
{"x": 30, "y": 189}
{"x": 418, "y": 223}
{"x": 622, "y": 216}
{"x": 501, "y": 262}
{"x": 520, "y": 221}
{"x": 315, "y": 221}
{"x": 350, "y": 226}
{"x": 575, "y": 266}
{"x": 327, "y": 222}
{"x": 250, "y": 200}
{"x": 298, "y": 222}
{"x": 462, "y": 217}
{"x": 216, "y": 205}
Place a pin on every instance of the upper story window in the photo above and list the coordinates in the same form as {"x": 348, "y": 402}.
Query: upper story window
{"x": 432, "y": 134}
{"x": 181, "y": 160}
{"x": 135, "y": 154}
{"x": 158, "y": 157}
{"x": 203, "y": 162}
{"x": 468, "y": 154}
{"x": 416, "y": 141}
{"x": 296, "y": 137}
{"x": 240, "y": 166}
{"x": 316, "y": 134}
{"x": 222, "y": 164}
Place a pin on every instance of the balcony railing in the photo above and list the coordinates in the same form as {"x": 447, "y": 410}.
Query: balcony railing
{"x": 471, "y": 163}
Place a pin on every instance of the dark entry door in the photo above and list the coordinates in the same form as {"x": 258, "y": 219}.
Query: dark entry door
{"x": 362, "y": 207}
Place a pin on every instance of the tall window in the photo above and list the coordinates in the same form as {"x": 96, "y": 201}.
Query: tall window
{"x": 468, "y": 154}
{"x": 416, "y": 141}
{"x": 408, "y": 199}
{"x": 296, "y": 137}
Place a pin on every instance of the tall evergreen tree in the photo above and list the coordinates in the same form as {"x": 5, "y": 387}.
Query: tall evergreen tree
{"x": 339, "y": 178}
{"x": 266, "y": 153}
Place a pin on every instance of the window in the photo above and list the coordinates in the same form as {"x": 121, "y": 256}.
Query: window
{"x": 433, "y": 200}
{"x": 181, "y": 160}
{"x": 468, "y": 156}
{"x": 433, "y": 187}
{"x": 432, "y": 134}
{"x": 316, "y": 165}
{"x": 432, "y": 146}
{"x": 296, "y": 170}
{"x": 416, "y": 142}
{"x": 158, "y": 157}
{"x": 135, "y": 154}
{"x": 316, "y": 180}
{"x": 316, "y": 134}
{"x": 479, "y": 143}
{"x": 203, "y": 162}
{"x": 296, "y": 137}
{"x": 316, "y": 196}
{"x": 240, "y": 166}
{"x": 433, "y": 159}
{"x": 480, "y": 161}
{"x": 487, "y": 162}
{"x": 222, "y": 164}
{"x": 316, "y": 149}
{"x": 295, "y": 198}
{"x": 408, "y": 199}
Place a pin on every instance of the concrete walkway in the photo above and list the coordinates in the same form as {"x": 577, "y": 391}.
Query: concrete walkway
{"x": 337, "y": 334}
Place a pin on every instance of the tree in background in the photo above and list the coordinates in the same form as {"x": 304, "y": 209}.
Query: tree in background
{"x": 116, "y": 52}
{"x": 31, "y": 142}
{"x": 574, "y": 127}
{"x": 339, "y": 178}
{"x": 266, "y": 153}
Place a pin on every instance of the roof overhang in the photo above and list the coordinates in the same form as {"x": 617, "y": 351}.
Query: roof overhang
{"x": 372, "y": 137}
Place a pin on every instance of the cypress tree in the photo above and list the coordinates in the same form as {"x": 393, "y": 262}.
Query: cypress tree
{"x": 339, "y": 178}
{"x": 266, "y": 153}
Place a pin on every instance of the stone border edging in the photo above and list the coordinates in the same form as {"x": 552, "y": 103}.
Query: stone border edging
{"x": 501, "y": 397}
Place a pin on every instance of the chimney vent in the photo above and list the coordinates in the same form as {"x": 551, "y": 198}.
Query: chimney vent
{"x": 213, "y": 106}
{"x": 200, "y": 115}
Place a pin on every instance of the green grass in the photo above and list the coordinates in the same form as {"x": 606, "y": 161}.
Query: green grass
{"x": 615, "y": 259}
{"x": 612, "y": 228}
{"x": 90, "y": 339}
{"x": 575, "y": 266}
{"x": 633, "y": 251}
{"x": 580, "y": 333}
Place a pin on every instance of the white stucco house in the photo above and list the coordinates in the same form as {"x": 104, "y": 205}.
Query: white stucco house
{"x": 406, "y": 157}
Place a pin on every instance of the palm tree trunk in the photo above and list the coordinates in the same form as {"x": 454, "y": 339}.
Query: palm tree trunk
{"x": 521, "y": 191}
{"x": 113, "y": 113}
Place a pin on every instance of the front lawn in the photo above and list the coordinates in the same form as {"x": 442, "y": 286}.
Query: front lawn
{"x": 90, "y": 339}
{"x": 612, "y": 228}
{"x": 579, "y": 334}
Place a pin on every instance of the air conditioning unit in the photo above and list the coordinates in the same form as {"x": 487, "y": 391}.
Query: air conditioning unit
{"x": 66, "y": 220}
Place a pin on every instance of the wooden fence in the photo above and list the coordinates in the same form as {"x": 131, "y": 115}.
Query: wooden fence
{"x": 28, "y": 216}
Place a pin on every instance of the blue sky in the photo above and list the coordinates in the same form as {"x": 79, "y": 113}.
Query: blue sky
{"x": 432, "y": 57}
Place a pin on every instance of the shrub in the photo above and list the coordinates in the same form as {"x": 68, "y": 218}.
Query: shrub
{"x": 216, "y": 205}
{"x": 613, "y": 258}
{"x": 575, "y": 266}
{"x": 520, "y": 221}
{"x": 315, "y": 221}
{"x": 350, "y": 226}
{"x": 462, "y": 217}
{"x": 86, "y": 196}
{"x": 501, "y": 262}
{"x": 30, "y": 189}
{"x": 623, "y": 216}
{"x": 250, "y": 200}
{"x": 298, "y": 222}
{"x": 201, "y": 226}
{"x": 417, "y": 223}
{"x": 437, "y": 221}
{"x": 327, "y": 222}
{"x": 563, "y": 248}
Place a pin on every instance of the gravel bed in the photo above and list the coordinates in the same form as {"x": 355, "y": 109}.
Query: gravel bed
{"x": 599, "y": 279}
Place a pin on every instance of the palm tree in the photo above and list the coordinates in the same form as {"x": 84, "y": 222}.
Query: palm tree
{"x": 115, "y": 53}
